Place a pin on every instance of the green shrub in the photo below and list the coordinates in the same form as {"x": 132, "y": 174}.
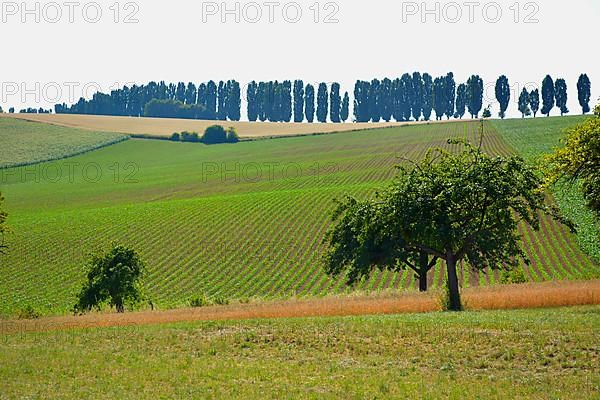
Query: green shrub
{"x": 232, "y": 136}
{"x": 214, "y": 134}
{"x": 176, "y": 137}
{"x": 513, "y": 276}
{"x": 189, "y": 136}
{"x": 28, "y": 312}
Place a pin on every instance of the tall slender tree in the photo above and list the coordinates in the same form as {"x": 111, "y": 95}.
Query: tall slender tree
{"x": 374, "y": 103}
{"x": 261, "y": 101}
{"x": 190, "y": 93}
{"x": 534, "y": 101}
{"x": 345, "y": 112}
{"x": 222, "y": 101}
{"x": 335, "y": 103}
{"x": 322, "y": 103}
{"x": 211, "y": 99}
{"x": 548, "y": 95}
{"x": 361, "y": 101}
{"x": 286, "y": 101}
{"x": 417, "y": 96}
{"x": 428, "y": 96}
{"x": 584, "y": 88}
{"x": 524, "y": 103}
{"x": 474, "y": 95}
{"x": 386, "y": 105}
{"x": 251, "y": 94}
{"x": 298, "y": 100}
{"x": 560, "y": 93}
{"x": 233, "y": 100}
{"x": 407, "y": 91}
{"x": 450, "y": 94}
{"x": 439, "y": 97}
{"x": 180, "y": 93}
{"x": 461, "y": 100}
{"x": 396, "y": 100}
{"x": 309, "y": 97}
{"x": 503, "y": 94}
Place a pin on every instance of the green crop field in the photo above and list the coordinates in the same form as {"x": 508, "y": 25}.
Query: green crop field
{"x": 537, "y": 137}
{"x": 30, "y": 142}
{"x": 524, "y": 354}
{"x": 235, "y": 221}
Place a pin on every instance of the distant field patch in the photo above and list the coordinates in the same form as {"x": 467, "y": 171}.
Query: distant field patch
{"x": 25, "y": 143}
{"x": 164, "y": 127}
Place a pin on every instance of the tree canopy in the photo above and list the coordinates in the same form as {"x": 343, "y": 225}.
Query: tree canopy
{"x": 584, "y": 88}
{"x": 534, "y": 101}
{"x": 474, "y": 95}
{"x": 113, "y": 278}
{"x": 450, "y": 206}
{"x": 579, "y": 158}
{"x": 503, "y": 94}
{"x": 524, "y": 103}
{"x": 548, "y": 96}
{"x": 560, "y": 93}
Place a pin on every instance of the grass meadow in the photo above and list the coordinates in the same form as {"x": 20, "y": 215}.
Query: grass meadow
{"x": 527, "y": 354}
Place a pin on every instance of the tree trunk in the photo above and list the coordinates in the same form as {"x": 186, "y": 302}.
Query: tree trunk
{"x": 455, "y": 304}
{"x": 119, "y": 306}
{"x": 423, "y": 264}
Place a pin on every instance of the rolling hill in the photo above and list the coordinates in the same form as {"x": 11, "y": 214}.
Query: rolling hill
{"x": 235, "y": 221}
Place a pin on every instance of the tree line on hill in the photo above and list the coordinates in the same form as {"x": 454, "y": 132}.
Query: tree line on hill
{"x": 554, "y": 93}
{"x": 276, "y": 101}
{"x": 416, "y": 96}
{"x": 205, "y": 101}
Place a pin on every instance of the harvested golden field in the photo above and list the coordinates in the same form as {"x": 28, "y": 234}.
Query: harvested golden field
{"x": 501, "y": 297}
{"x": 163, "y": 127}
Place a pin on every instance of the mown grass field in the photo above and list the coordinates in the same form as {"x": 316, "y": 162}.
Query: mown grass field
{"x": 164, "y": 127}
{"x": 29, "y": 142}
{"x": 525, "y": 354}
{"x": 234, "y": 221}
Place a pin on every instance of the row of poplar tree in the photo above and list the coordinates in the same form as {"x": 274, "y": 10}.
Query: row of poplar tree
{"x": 554, "y": 93}
{"x": 274, "y": 102}
{"x": 209, "y": 100}
{"x": 413, "y": 96}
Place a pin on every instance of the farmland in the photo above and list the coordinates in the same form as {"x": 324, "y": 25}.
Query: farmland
{"x": 536, "y": 137}
{"x": 546, "y": 353}
{"x": 28, "y": 142}
{"x": 236, "y": 221}
{"x": 164, "y": 127}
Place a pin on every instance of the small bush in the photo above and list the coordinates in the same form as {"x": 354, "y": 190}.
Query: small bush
{"x": 200, "y": 301}
{"x": 214, "y": 134}
{"x": 189, "y": 136}
{"x": 28, "y": 312}
{"x": 513, "y": 276}
{"x": 176, "y": 137}
{"x": 232, "y": 136}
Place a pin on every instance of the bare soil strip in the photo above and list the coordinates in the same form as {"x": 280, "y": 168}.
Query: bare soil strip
{"x": 534, "y": 295}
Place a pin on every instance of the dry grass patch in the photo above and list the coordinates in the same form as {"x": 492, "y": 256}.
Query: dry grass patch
{"x": 538, "y": 295}
{"x": 164, "y": 127}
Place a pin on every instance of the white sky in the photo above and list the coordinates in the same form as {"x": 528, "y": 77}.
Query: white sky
{"x": 171, "y": 42}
